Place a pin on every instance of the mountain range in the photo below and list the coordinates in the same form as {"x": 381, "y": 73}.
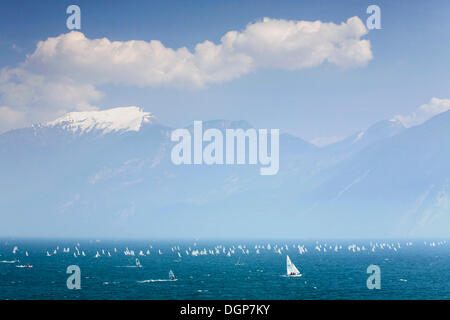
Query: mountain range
{"x": 109, "y": 174}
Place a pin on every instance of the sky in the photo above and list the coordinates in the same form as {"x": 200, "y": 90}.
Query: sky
{"x": 298, "y": 84}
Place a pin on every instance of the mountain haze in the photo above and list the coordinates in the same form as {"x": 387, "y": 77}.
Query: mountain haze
{"x": 109, "y": 174}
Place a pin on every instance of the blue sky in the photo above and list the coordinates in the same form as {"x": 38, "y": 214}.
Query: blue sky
{"x": 410, "y": 63}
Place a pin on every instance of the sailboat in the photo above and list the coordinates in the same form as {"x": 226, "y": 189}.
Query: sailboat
{"x": 138, "y": 264}
{"x": 172, "y": 276}
{"x": 238, "y": 263}
{"x": 292, "y": 270}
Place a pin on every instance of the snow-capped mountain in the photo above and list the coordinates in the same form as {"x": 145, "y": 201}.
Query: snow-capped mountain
{"x": 121, "y": 119}
{"x": 109, "y": 173}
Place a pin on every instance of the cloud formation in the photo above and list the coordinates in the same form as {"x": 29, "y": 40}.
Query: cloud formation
{"x": 63, "y": 73}
{"x": 424, "y": 112}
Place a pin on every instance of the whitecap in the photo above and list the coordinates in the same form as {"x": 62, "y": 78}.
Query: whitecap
{"x": 156, "y": 280}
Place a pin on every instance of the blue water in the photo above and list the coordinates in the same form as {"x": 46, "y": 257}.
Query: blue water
{"x": 417, "y": 271}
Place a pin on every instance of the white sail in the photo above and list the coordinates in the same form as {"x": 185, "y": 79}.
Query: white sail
{"x": 171, "y": 275}
{"x": 291, "y": 268}
{"x": 138, "y": 264}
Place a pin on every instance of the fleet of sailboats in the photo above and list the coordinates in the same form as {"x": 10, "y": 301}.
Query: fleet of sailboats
{"x": 231, "y": 250}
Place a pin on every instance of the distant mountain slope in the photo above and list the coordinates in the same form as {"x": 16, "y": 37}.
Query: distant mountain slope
{"x": 396, "y": 186}
{"x": 354, "y": 143}
{"x": 109, "y": 174}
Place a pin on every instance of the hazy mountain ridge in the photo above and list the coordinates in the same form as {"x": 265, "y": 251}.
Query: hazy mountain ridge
{"x": 390, "y": 181}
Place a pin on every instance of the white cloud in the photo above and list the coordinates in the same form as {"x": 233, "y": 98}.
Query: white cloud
{"x": 10, "y": 117}
{"x": 324, "y": 141}
{"x": 62, "y": 74}
{"x": 424, "y": 112}
{"x": 29, "y": 98}
{"x": 290, "y": 45}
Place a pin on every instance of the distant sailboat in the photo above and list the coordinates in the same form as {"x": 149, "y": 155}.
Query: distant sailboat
{"x": 138, "y": 263}
{"x": 172, "y": 276}
{"x": 292, "y": 270}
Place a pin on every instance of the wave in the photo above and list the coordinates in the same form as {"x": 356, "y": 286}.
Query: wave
{"x": 128, "y": 267}
{"x": 156, "y": 280}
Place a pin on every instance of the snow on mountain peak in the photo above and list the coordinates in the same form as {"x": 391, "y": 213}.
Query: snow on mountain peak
{"x": 107, "y": 121}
